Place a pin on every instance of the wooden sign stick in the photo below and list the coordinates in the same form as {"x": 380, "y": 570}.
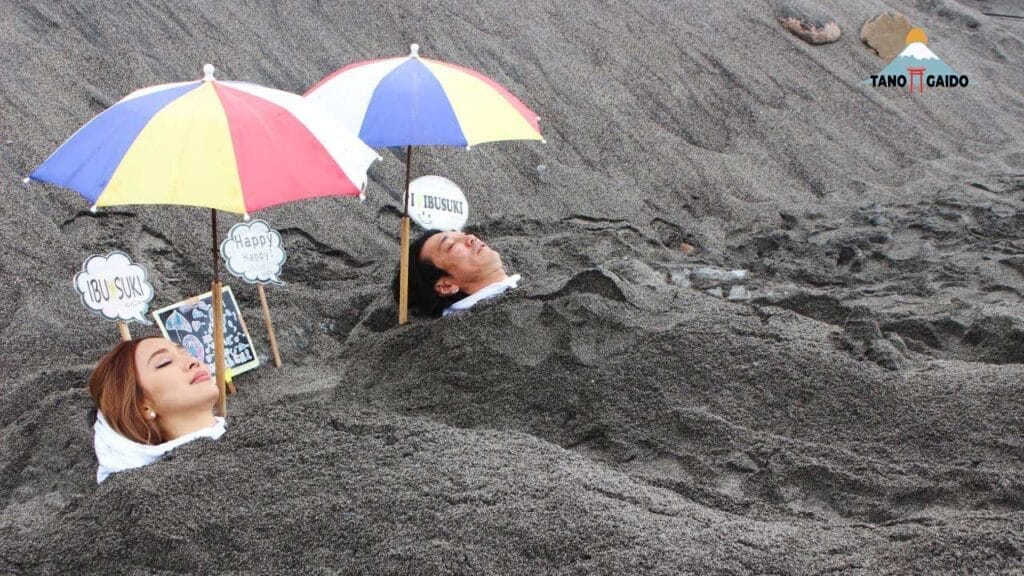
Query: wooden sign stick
{"x": 122, "y": 327}
{"x": 270, "y": 325}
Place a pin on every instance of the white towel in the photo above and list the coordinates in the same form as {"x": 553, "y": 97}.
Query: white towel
{"x": 484, "y": 293}
{"x": 116, "y": 453}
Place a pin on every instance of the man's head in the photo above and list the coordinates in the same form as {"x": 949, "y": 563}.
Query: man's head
{"x": 445, "y": 267}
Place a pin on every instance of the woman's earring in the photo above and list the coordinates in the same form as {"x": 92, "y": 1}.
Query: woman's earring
{"x": 152, "y": 415}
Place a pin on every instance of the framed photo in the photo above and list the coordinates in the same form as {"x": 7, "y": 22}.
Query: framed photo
{"x": 190, "y": 324}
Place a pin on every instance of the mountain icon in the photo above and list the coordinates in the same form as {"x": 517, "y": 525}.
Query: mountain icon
{"x": 917, "y": 55}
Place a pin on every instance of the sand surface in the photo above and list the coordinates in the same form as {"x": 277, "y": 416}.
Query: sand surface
{"x": 861, "y": 413}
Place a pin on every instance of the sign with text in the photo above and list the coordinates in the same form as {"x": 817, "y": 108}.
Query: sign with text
{"x": 253, "y": 251}
{"x": 114, "y": 287}
{"x": 190, "y": 324}
{"x": 437, "y": 203}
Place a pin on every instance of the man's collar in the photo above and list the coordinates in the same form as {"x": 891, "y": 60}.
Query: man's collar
{"x": 484, "y": 293}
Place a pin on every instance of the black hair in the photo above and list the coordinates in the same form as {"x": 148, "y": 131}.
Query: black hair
{"x": 423, "y": 275}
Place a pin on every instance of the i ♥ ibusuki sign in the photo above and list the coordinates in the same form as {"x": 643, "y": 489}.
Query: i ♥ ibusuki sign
{"x": 437, "y": 203}
{"x": 114, "y": 287}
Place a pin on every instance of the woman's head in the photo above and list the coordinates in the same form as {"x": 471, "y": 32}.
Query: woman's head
{"x": 148, "y": 389}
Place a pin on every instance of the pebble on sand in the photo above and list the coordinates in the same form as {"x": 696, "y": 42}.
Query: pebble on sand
{"x": 809, "y": 23}
{"x": 885, "y": 33}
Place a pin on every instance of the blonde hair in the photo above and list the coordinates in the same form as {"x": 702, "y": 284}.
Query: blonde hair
{"x": 115, "y": 389}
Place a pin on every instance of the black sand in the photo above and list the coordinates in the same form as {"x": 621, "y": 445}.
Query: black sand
{"x": 860, "y": 414}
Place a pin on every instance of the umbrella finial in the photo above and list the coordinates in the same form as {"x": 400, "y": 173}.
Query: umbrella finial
{"x": 92, "y": 209}
{"x": 246, "y": 217}
{"x": 208, "y": 70}
{"x": 26, "y": 179}
{"x": 414, "y": 51}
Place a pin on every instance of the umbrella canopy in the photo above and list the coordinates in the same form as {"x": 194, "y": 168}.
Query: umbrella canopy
{"x": 231, "y": 146}
{"x": 414, "y": 101}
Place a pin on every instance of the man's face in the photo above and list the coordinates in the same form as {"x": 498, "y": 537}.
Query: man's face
{"x": 463, "y": 257}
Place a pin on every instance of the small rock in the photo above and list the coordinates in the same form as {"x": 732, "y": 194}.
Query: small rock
{"x": 687, "y": 249}
{"x": 807, "y": 22}
{"x": 709, "y": 277}
{"x": 886, "y": 34}
{"x": 738, "y": 294}
{"x": 716, "y": 291}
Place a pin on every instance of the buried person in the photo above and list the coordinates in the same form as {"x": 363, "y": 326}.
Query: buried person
{"x": 449, "y": 272}
{"x": 151, "y": 397}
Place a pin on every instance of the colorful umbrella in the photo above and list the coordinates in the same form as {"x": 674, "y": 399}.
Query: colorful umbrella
{"x": 414, "y": 101}
{"x": 231, "y": 146}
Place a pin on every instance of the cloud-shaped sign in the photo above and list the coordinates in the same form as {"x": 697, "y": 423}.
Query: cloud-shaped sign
{"x": 253, "y": 252}
{"x": 115, "y": 287}
{"x": 437, "y": 203}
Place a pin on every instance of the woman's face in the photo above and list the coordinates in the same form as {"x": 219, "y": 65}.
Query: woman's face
{"x": 172, "y": 380}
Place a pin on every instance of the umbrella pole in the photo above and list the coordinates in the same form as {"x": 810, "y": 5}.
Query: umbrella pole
{"x": 218, "y": 325}
{"x": 403, "y": 275}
